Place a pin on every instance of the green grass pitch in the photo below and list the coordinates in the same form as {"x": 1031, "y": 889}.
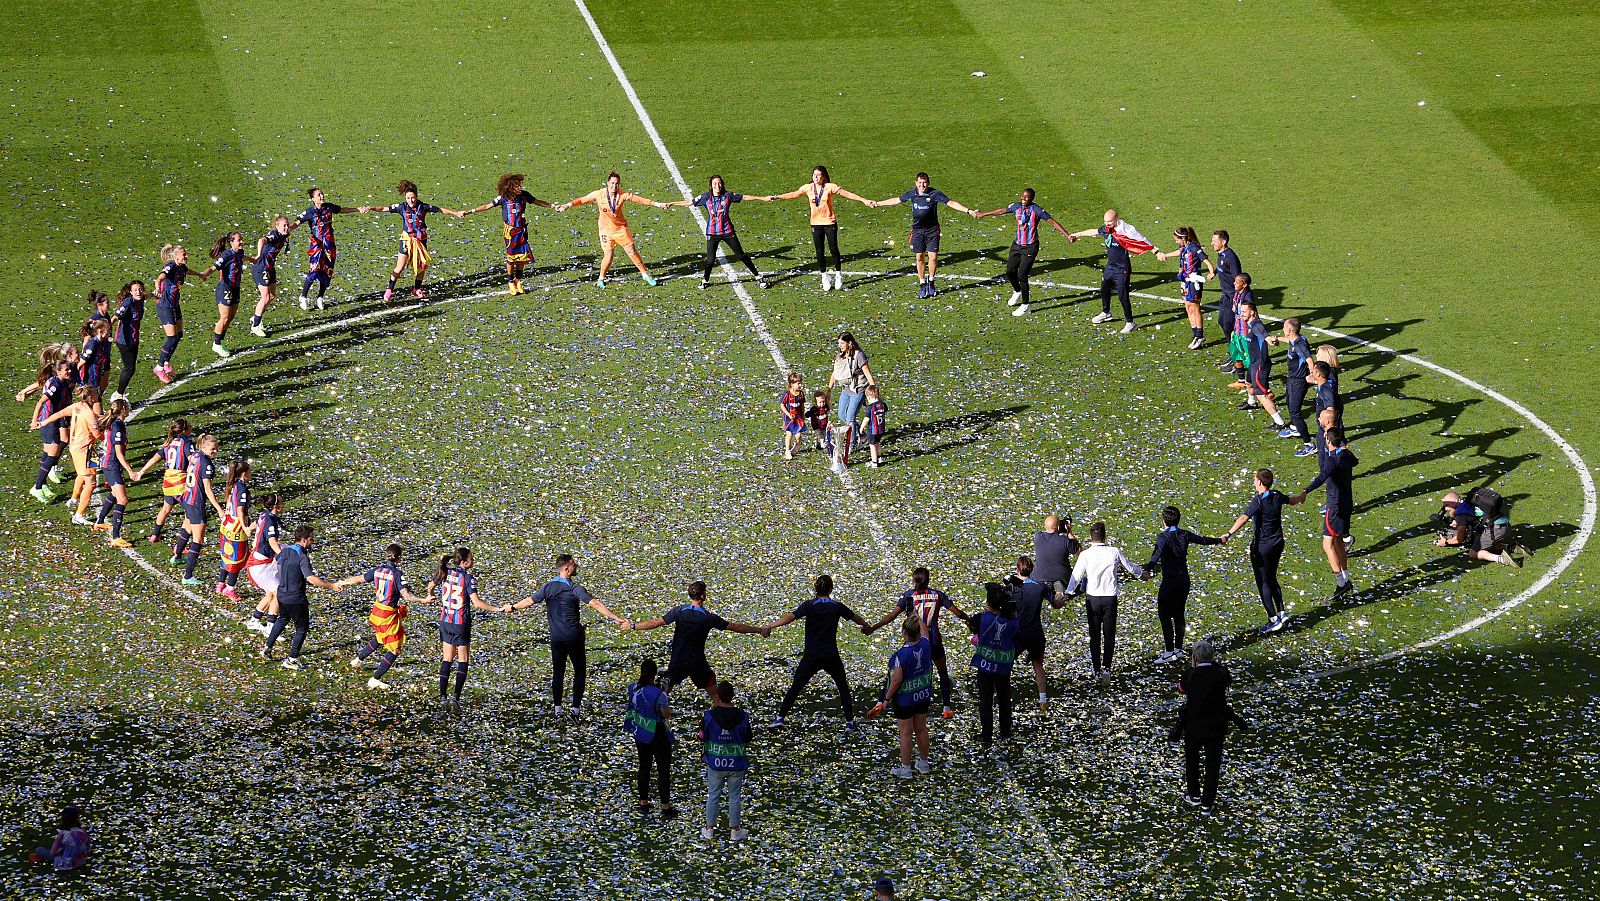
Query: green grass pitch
{"x": 1414, "y": 175}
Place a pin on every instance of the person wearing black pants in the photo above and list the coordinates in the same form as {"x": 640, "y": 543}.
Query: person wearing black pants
{"x": 1096, "y": 573}
{"x": 294, "y": 575}
{"x": 1121, "y": 240}
{"x": 1299, "y": 361}
{"x": 1025, "y": 249}
{"x": 1227, "y": 269}
{"x": 1171, "y": 554}
{"x": 563, "y": 599}
{"x": 719, "y": 228}
{"x": 125, "y": 331}
{"x": 1265, "y": 512}
{"x": 819, "y": 194}
{"x": 821, "y": 651}
{"x": 1203, "y": 722}
{"x": 649, "y": 709}
{"x": 996, "y": 630}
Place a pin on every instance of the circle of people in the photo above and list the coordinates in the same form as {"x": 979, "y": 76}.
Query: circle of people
{"x": 69, "y": 412}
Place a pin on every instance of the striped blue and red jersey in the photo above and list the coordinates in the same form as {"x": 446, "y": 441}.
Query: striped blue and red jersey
{"x": 320, "y": 218}
{"x": 1029, "y": 215}
{"x": 1189, "y": 257}
{"x": 718, "y": 222}
{"x": 177, "y": 452}
{"x": 95, "y": 359}
{"x": 57, "y": 394}
{"x": 386, "y": 579}
{"x": 266, "y": 531}
{"x": 238, "y": 503}
{"x": 273, "y": 243}
{"x": 194, "y": 492}
{"x": 169, "y": 284}
{"x": 116, "y": 436}
{"x": 230, "y": 269}
{"x": 125, "y": 321}
{"x": 455, "y": 597}
{"x": 414, "y": 218}
{"x": 794, "y": 407}
{"x": 877, "y": 418}
{"x": 514, "y": 210}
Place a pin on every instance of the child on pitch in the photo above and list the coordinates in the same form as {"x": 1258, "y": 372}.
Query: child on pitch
{"x": 649, "y": 708}
{"x": 994, "y": 635}
{"x": 55, "y": 395}
{"x": 458, "y": 597}
{"x": 875, "y": 425}
{"x": 114, "y": 467}
{"x": 227, "y": 261}
{"x": 265, "y": 271}
{"x": 910, "y": 692}
{"x": 513, "y": 202}
{"x": 388, "y": 614}
{"x": 726, "y": 732}
{"x": 817, "y": 420}
{"x": 125, "y": 320}
{"x": 614, "y": 231}
{"x": 1171, "y": 553}
{"x": 233, "y": 546}
{"x": 83, "y": 432}
{"x": 1238, "y": 340}
{"x": 70, "y": 850}
{"x": 262, "y": 566}
{"x": 413, "y": 236}
{"x": 926, "y": 603}
{"x": 792, "y": 404}
{"x": 169, "y": 308}
{"x": 174, "y": 455}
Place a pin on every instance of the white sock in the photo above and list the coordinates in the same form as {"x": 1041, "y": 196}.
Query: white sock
{"x": 1043, "y": 697}
{"x": 1342, "y": 578}
{"x": 1277, "y": 419}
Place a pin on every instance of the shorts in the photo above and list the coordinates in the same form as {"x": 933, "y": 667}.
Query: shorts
{"x": 794, "y": 428}
{"x": 621, "y": 238}
{"x": 320, "y": 255}
{"x": 80, "y": 459}
{"x": 1239, "y": 350}
{"x": 1191, "y": 291}
{"x": 924, "y": 240}
{"x": 918, "y": 709}
{"x": 169, "y": 314}
{"x": 405, "y": 251}
{"x": 696, "y": 672}
{"x": 1492, "y": 538}
{"x": 50, "y": 433}
{"x": 112, "y": 475}
{"x": 226, "y": 297}
{"x": 1031, "y": 644}
{"x": 1335, "y": 525}
{"x": 264, "y": 276}
{"x": 455, "y": 634}
{"x": 194, "y": 514}
{"x": 1259, "y": 376}
{"x": 265, "y": 575}
{"x": 874, "y": 440}
{"x": 938, "y": 649}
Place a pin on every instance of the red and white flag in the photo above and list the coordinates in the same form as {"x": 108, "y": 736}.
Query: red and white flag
{"x": 1130, "y": 239}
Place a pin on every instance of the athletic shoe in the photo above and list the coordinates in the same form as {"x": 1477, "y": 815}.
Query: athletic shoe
{"x": 788, "y": 454}
{"x": 946, "y": 713}
{"x": 574, "y": 713}
{"x": 1237, "y": 386}
{"x": 1278, "y": 622}
{"x": 1246, "y": 406}
{"x": 194, "y": 582}
{"x": 357, "y": 663}
{"x": 121, "y": 543}
{"x": 649, "y": 280}
{"x": 1205, "y": 810}
{"x": 1103, "y": 678}
{"x": 873, "y": 463}
{"x": 229, "y": 592}
{"x": 249, "y": 622}
{"x": 1044, "y": 706}
{"x": 1267, "y": 627}
{"x": 1506, "y": 558}
{"x": 1305, "y": 450}
{"x": 292, "y": 663}
{"x": 1016, "y": 298}
{"x": 838, "y": 281}
{"x": 305, "y": 302}
{"x": 418, "y": 293}
{"x": 264, "y": 652}
{"x": 761, "y": 281}
{"x": 1342, "y": 590}
{"x": 738, "y": 835}
{"x": 78, "y": 519}
{"x": 175, "y": 560}
{"x": 922, "y": 290}
{"x": 101, "y": 526}
{"x": 455, "y": 705}
{"x": 260, "y": 331}
{"x": 161, "y": 373}
{"x": 923, "y": 766}
{"x": 706, "y": 835}
{"x": 376, "y": 683}
{"x": 1288, "y": 432}
{"x": 1129, "y": 327}
{"x": 827, "y": 283}
{"x": 1191, "y": 800}
{"x": 1196, "y": 343}
{"x": 1020, "y": 311}
{"x": 902, "y": 771}
{"x": 669, "y": 813}
{"x": 388, "y": 294}
{"x": 516, "y": 287}
{"x": 933, "y": 289}
{"x": 41, "y": 494}
{"x": 1100, "y": 317}
{"x": 153, "y": 539}
{"x": 319, "y": 303}
{"x": 704, "y": 284}
{"x": 776, "y": 724}
{"x": 600, "y": 282}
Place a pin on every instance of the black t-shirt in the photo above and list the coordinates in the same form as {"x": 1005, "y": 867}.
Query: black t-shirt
{"x": 822, "y": 617}
{"x": 1030, "y": 596}
{"x": 1266, "y": 514}
{"x": 692, "y": 626}
{"x": 1052, "y": 556}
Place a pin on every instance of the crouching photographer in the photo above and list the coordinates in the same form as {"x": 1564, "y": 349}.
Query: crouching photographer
{"x": 1479, "y": 524}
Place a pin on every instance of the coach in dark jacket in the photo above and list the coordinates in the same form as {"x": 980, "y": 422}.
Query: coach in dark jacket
{"x": 1204, "y": 723}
